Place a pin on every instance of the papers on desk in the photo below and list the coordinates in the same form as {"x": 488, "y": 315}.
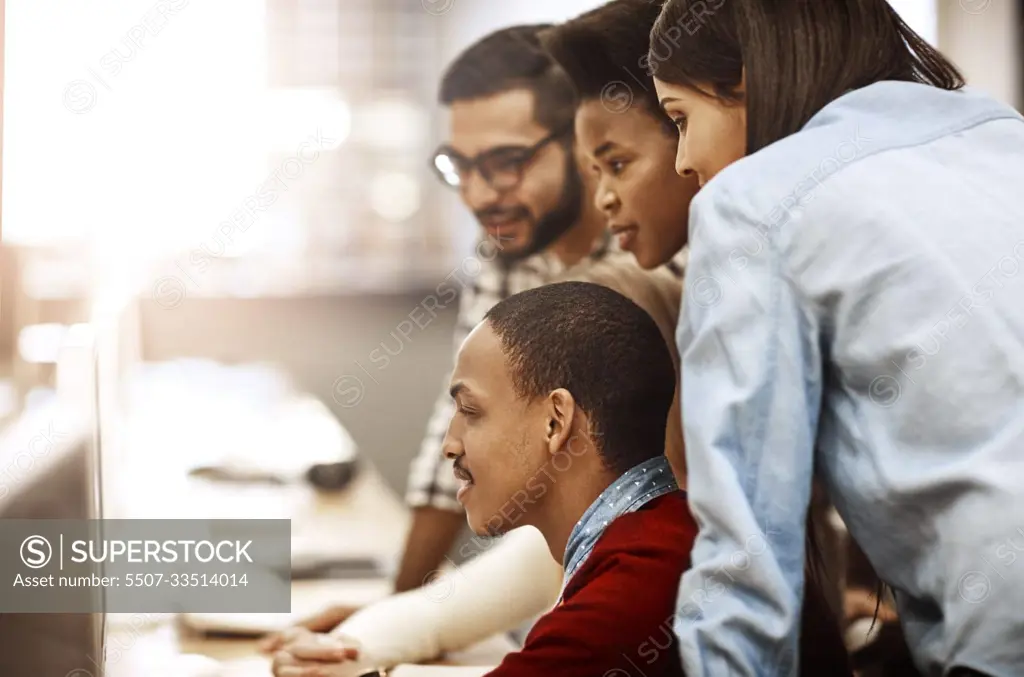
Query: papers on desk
{"x": 257, "y": 666}
{"x": 241, "y": 422}
{"x": 243, "y": 625}
{"x": 283, "y": 441}
{"x": 216, "y": 421}
{"x": 260, "y": 667}
{"x": 439, "y": 671}
{"x": 313, "y": 556}
{"x": 307, "y": 599}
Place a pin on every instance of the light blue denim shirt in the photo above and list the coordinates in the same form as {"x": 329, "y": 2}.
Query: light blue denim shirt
{"x": 855, "y": 300}
{"x": 638, "y": 486}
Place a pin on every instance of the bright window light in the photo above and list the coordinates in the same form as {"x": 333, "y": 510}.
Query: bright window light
{"x": 395, "y": 196}
{"x": 138, "y": 127}
{"x": 41, "y": 343}
{"x": 921, "y": 15}
{"x": 295, "y": 116}
{"x": 392, "y": 122}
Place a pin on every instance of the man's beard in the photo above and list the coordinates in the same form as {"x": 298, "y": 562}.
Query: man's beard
{"x": 554, "y": 223}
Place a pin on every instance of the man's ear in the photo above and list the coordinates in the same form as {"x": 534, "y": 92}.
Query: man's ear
{"x": 561, "y": 412}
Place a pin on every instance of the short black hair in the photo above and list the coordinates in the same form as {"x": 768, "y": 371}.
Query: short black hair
{"x": 605, "y": 53}
{"x": 508, "y": 59}
{"x": 601, "y": 347}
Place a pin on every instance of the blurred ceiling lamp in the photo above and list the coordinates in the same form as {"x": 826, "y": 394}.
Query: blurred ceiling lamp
{"x": 392, "y": 122}
{"x": 298, "y": 115}
{"x": 280, "y": 235}
{"x": 395, "y": 196}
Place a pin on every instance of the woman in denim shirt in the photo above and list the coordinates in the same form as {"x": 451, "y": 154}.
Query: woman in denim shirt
{"x": 855, "y": 303}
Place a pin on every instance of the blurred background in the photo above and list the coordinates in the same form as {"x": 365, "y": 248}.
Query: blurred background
{"x": 242, "y": 187}
{"x": 218, "y": 230}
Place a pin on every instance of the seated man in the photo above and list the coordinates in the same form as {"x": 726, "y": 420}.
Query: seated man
{"x": 562, "y": 395}
{"x": 511, "y": 581}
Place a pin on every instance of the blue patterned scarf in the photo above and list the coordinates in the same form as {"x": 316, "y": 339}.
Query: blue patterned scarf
{"x": 636, "y": 487}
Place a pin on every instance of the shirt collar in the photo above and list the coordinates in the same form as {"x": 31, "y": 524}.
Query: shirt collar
{"x": 552, "y": 265}
{"x": 636, "y": 487}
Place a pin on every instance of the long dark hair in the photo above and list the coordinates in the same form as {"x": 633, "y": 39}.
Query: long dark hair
{"x": 798, "y": 55}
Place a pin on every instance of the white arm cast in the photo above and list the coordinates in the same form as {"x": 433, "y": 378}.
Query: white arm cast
{"x": 515, "y": 580}
{"x": 439, "y": 671}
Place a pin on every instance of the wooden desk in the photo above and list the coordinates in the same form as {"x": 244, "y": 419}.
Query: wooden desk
{"x": 136, "y": 650}
{"x": 366, "y": 519}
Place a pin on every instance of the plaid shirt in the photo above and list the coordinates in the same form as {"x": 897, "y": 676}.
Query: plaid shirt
{"x": 431, "y": 482}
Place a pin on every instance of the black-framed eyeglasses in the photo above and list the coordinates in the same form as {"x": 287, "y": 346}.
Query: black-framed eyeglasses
{"x": 502, "y": 167}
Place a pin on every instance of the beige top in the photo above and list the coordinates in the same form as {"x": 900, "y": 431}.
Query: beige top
{"x": 659, "y": 292}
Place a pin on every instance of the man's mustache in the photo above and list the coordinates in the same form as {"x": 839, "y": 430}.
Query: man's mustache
{"x": 502, "y": 214}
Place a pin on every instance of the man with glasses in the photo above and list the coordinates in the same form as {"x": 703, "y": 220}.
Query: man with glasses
{"x": 512, "y": 159}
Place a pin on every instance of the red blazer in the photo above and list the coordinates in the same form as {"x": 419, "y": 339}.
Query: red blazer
{"x": 617, "y": 611}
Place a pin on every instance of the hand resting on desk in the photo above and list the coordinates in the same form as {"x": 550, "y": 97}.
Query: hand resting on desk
{"x": 514, "y": 580}
{"x": 321, "y": 656}
{"x": 313, "y": 655}
{"x": 324, "y": 621}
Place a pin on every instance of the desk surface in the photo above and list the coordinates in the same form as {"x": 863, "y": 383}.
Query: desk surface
{"x": 143, "y": 651}
{"x": 135, "y": 650}
{"x": 366, "y": 519}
